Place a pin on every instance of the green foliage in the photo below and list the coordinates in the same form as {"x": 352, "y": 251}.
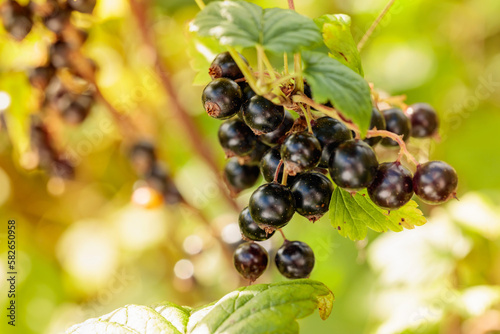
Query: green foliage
{"x": 241, "y": 23}
{"x": 337, "y": 36}
{"x": 353, "y": 214}
{"x": 202, "y": 51}
{"x": 263, "y": 308}
{"x": 346, "y": 90}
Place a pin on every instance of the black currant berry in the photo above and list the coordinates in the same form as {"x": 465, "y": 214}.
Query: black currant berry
{"x": 224, "y": 66}
{"x": 240, "y": 177}
{"x": 353, "y": 165}
{"x": 435, "y": 182}
{"x": 271, "y": 205}
{"x": 60, "y": 54}
{"x": 424, "y": 120}
{"x": 256, "y": 155}
{"x": 277, "y": 136}
{"x": 143, "y": 157}
{"x": 236, "y": 138}
{"x": 396, "y": 122}
{"x": 221, "y": 98}
{"x": 312, "y": 193}
{"x": 16, "y": 19}
{"x": 40, "y": 76}
{"x": 78, "y": 109}
{"x": 246, "y": 91}
{"x": 392, "y": 186}
{"x": 295, "y": 259}
{"x": 57, "y": 19}
{"x": 250, "y": 260}
{"x": 262, "y": 115}
{"x": 82, "y": 6}
{"x": 330, "y": 133}
{"x": 377, "y": 121}
{"x": 160, "y": 180}
{"x": 250, "y": 229}
{"x": 270, "y": 161}
{"x": 300, "y": 152}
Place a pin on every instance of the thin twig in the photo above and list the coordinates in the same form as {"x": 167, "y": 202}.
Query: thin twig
{"x": 139, "y": 10}
{"x": 277, "y": 172}
{"x": 374, "y": 25}
{"x": 291, "y": 5}
{"x": 403, "y": 150}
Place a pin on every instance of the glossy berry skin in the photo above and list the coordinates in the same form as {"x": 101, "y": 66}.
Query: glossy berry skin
{"x": 262, "y": 115}
{"x": 396, "y": 122}
{"x": 268, "y": 164}
{"x": 330, "y": 133}
{"x": 377, "y": 121}
{"x": 353, "y": 165}
{"x": 82, "y": 6}
{"x": 224, "y": 66}
{"x": 300, "y": 152}
{"x": 271, "y": 205}
{"x": 221, "y": 98}
{"x": 256, "y": 154}
{"x": 312, "y": 193}
{"x": 392, "y": 186}
{"x": 277, "y": 136}
{"x": 435, "y": 182}
{"x": 240, "y": 177}
{"x": 424, "y": 120}
{"x": 250, "y": 229}
{"x": 295, "y": 259}
{"x": 16, "y": 19}
{"x": 236, "y": 138}
{"x": 142, "y": 157}
{"x": 250, "y": 260}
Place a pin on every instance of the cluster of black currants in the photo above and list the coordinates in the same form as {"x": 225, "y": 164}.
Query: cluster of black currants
{"x": 258, "y": 134}
{"x": 158, "y": 186}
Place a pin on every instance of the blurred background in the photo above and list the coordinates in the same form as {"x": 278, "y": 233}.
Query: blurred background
{"x": 84, "y": 249}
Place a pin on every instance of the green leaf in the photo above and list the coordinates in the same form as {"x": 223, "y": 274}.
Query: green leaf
{"x": 345, "y": 89}
{"x": 241, "y": 23}
{"x": 352, "y": 215}
{"x": 337, "y": 37}
{"x": 263, "y": 308}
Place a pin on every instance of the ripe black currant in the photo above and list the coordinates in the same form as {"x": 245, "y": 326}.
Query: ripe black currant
{"x": 295, "y": 259}
{"x": 435, "y": 182}
{"x": 392, "y": 186}
{"x": 256, "y": 155}
{"x": 396, "y": 122}
{"x": 240, "y": 177}
{"x": 221, "y": 98}
{"x": 276, "y": 137}
{"x": 377, "y": 121}
{"x": 250, "y": 260}
{"x": 82, "y": 6}
{"x": 40, "y": 76}
{"x": 262, "y": 115}
{"x": 312, "y": 193}
{"x": 250, "y": 229}
{"x": 353, "y": 165}
{"x": 160, "y": 180}
{"x": 57, "y": 19}
{"x": 60, "y": 54}
{"x": 271, "y": 205}
{"x": 300, "y": 152}
{"x": 270, "y": 161}
{"x": 236, "y": 138}
{"x": 424, "y": 120}
{"x": 78, "y": 109}
{"x": 224, "y": 66}
{"x": 330, "y": 133}
{"x": 16, "y": 19}
{"x": 142, "y": 157}
{"x": 246, "y": 91}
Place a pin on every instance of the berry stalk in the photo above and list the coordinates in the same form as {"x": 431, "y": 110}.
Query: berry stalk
{"x": 403, "y": 151}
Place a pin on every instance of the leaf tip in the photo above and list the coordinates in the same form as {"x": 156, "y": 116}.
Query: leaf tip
{"x": 325, "y": 305}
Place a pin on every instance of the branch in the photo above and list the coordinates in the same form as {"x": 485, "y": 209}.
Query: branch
{"x": 139, "y": 10}
{"x": 374, "y": 25}
{"x": 399, "y": 139}
{"x": 291, "y": 5}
